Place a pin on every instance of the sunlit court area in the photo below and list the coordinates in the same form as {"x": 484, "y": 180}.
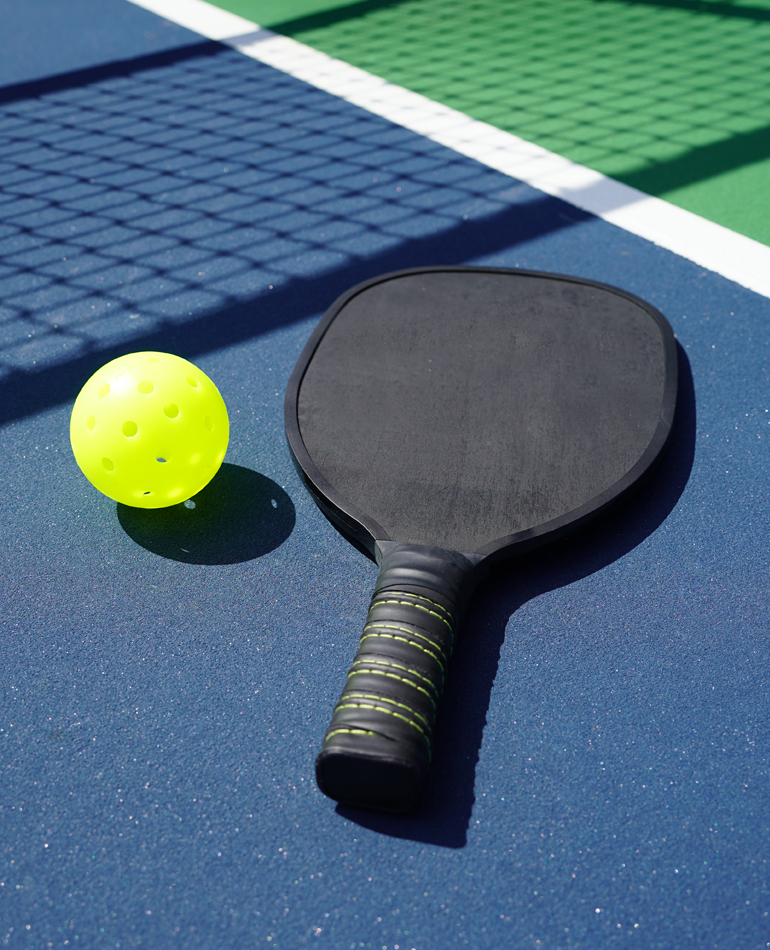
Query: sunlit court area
{"x": 210, "y": 180}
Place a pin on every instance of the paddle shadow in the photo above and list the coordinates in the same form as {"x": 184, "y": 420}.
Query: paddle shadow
{"x": 240, "y": 515}
{"x": 443, "y": 814}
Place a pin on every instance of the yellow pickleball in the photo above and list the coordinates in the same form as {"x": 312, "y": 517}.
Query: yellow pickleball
{"x": 149, "y": 430}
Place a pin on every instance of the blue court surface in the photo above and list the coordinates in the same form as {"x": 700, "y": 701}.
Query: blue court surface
{"x": 601, "y": 768}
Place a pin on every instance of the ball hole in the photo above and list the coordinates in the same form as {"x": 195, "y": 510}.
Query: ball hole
{"x": 171, "y": 409}
{"x": 189, "y": 503}
{"x": 160, "y": 460}
{"x": 209, "y": 423}
{"x": 145, "y": 387}
{"x": 130, "y": 429}
{"x": 108, "y": 465}
{"x": 103, "y": 390}
{"x": 90, "y": 423}
{"x": 192, "y": 381}
{"x": 148, "y": 493}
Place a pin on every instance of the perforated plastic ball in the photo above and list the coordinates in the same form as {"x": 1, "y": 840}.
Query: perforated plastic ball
{"x": 149, "y": 430}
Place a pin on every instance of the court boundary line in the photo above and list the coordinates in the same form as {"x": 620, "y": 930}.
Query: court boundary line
{"x": 712, "y": 246}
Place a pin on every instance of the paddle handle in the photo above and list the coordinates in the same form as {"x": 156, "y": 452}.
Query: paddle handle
{"x": 377, "y": 750}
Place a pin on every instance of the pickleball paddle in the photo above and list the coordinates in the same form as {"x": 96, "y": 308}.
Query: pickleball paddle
{"x": 445, "y": 418}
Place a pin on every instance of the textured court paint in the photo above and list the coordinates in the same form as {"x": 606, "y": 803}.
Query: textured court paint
{"x": 161, "y": 717}
{"x": 46, "y": 37}
{"x": 162, "y": 701}
{"x": 632, "y": 90}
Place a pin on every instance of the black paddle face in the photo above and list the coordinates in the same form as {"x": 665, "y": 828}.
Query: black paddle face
{"x": 472, "y": 409}
{"x": 463, "y": 414}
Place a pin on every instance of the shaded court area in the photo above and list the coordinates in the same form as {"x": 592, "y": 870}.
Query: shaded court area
{"x": 159, "y": 193}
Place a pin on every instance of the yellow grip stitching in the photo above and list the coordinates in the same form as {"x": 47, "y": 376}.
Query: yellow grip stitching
{"x": 377, "y": 624}
{"x": 395, "y": 676}
{"x": 410, "y": 603}
{"x": 388, "y": 712}
{"x": 391, "y": 636}
{"x": 385, "y": 699}
{"x": 394, "y": 666}
{"x": 352, "y": 732}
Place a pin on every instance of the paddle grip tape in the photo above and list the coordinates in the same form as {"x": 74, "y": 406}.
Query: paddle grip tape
{"x": 377, "y": 750}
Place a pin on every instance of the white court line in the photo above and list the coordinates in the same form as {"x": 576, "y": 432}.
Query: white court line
{"x": 734, "y": 256}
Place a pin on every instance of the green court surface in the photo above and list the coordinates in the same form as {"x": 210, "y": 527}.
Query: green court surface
{"x": 670, "y": 96}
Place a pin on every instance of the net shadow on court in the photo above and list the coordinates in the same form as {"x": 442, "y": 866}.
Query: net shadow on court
{"x": 195, "y": 199}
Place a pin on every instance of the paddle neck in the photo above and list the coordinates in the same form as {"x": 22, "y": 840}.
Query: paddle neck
{"x": 424, "y": 570}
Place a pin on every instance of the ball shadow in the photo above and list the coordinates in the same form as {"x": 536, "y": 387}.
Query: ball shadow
{"x": 240, "y": 515}
{"x": 443, "y": 814}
